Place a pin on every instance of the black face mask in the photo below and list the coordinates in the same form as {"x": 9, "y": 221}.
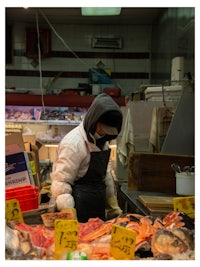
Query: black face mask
{"x": 97, "y": 136}
{"x": 100, "y": 142}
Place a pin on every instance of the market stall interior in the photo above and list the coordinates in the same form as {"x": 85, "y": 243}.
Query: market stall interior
{"x": 57, "y": 62}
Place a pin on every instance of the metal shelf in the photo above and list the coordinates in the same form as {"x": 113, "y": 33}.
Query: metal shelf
{"x": 45, "y": 122}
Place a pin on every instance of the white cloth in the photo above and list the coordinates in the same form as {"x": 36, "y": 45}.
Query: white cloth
{"x": 161, "y": 118}
{"x": 153, "y": 137}
{"x": 126, "y": 144}
{"x": 71, "y": 163}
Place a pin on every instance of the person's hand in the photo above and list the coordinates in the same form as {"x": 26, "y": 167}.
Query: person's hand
{"x": 64, "y": 201}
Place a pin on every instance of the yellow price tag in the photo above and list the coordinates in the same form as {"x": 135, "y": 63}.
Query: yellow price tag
{"x": 13, "y": 211}
{"x": 66, "y": 236}
{"x": 32, "y": 166}
{"x": 185, "y": 204}
{"x": 122, "y": 243}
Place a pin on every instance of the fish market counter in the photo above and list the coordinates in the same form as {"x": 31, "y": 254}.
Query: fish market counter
{"x": 145, "y": 203}
{"x": 167, "y": 238}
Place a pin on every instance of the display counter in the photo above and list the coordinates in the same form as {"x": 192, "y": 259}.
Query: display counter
{"x": 133, "y": 202}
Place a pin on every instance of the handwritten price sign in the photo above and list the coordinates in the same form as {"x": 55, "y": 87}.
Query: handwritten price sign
{"x": 13, "y": 211}
{"x": 122, "y": 243}
{"x": 66, "y": 235}
{"x": 185, "y": 204}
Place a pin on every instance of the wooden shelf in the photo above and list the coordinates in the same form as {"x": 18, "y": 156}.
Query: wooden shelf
{"x": 54, "y": 100}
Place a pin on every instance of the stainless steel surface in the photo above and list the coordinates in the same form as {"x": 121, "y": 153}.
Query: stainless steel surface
{"x": 131, "y": 197}
{"x": 180, "y": 137}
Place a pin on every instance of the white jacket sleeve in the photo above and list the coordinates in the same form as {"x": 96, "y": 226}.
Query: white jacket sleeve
{"x": 64, "y": 173}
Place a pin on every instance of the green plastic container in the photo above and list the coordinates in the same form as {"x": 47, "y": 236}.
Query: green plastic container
{"x": 76, "y": 255}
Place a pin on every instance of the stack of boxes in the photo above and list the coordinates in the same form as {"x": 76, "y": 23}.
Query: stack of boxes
{"x": 21, "y": 181}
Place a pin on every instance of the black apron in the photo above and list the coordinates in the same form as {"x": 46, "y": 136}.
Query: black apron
{"x": 89, "y": 192}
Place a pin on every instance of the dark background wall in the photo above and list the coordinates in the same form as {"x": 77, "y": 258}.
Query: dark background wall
{"x": 173, "y": 35}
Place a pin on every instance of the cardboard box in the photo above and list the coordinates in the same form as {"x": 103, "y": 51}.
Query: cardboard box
{"x": 18, "y": 172}
{"x": 33, "y": 153}
{"x": 14, "y": 141}
{"x": 17, "y": 165}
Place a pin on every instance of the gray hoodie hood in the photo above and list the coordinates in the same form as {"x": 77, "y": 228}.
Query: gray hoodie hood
{"x": 105, "y": 110}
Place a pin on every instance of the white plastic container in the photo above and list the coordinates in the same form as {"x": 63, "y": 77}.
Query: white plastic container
{"x": 96, "y": 89}
{"x": 185, "y": 183}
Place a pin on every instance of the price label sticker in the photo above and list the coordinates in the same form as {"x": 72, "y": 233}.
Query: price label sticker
{"x": 13, "y": 211}
{"x": 122, "y": 243}
{"x": 66, "y": 236}
{"x": 185, "y": 204}
{"x": 32, "y": 166}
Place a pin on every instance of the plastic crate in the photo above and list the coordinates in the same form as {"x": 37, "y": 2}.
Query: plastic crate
{"x": 26, "y": 195}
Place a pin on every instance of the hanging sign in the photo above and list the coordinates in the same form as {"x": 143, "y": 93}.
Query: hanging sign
{"x": 185, "y": 204}
{"x": 122, "y": 243}
{"x": 66, "y": 236}
{"x": 13, "y": 211}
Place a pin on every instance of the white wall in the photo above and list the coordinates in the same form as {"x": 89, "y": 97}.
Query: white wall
{"x": 78, "y": 38}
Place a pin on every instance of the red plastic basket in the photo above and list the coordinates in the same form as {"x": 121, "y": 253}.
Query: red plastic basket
{"x": 26, "y": 195}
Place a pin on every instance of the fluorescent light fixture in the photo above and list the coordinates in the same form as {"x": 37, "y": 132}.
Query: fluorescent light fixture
{"x": 51, "y": 145}
{"x": 100, "y": 11}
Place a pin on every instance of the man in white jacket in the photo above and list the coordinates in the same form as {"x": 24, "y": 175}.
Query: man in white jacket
{"x": 80, "y": 175}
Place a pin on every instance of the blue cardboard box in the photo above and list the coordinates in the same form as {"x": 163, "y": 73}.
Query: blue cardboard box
{"x": 18, "y": 171}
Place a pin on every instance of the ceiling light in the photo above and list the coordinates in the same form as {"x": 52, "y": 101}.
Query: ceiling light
{"x": 100, "y": 11}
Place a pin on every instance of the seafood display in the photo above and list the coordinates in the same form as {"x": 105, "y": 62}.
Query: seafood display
{"x": 28, "y": 242}
{"x": 23, "y": 113}
{"x": 157, "y": 239}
